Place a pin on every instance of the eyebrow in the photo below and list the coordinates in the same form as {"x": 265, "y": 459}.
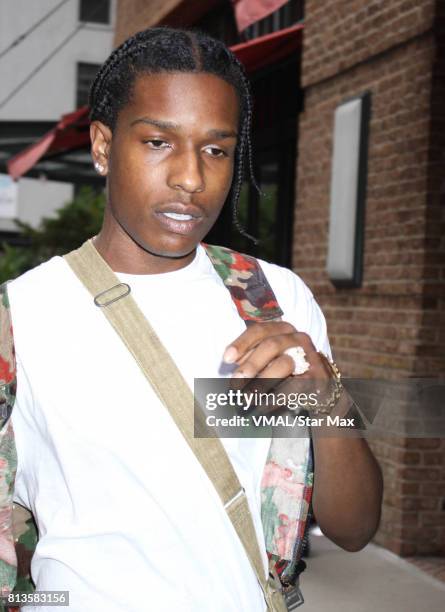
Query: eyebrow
{"x": 174, "y": 127}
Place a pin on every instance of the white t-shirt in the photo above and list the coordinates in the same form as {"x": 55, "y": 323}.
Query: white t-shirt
{"x": 128, "y": 520}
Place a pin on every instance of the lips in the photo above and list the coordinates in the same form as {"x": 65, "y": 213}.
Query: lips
{"x": 179, "y": 218}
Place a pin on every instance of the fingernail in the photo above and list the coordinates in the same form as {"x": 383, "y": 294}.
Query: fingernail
{"x": 230, "y": 354}
{"x": 239, "y": 375}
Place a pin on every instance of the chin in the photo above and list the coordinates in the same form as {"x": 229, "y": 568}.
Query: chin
{"x": 173, "y": 249}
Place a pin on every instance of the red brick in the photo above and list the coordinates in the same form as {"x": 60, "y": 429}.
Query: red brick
{"x": 430, "y": 489}
{"x": 420, "y": 474}
{"x": 408, "y": 457}
{"x": 412, "y": 533}
{"x": 434, "y": 458}
{"x": 427, "y": 503}
{"x": 406, "y": 548}
{"x": 433, "y": 519}
{"x": 409, "y": 488}
{"x": 424, "y": 443}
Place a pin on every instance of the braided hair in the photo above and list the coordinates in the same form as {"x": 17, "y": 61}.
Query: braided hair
{"x": 164, "y": 49}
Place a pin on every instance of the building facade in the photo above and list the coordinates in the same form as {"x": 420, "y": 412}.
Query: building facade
{"x": 50, "y": 51}
{"x": 393, "y": 325}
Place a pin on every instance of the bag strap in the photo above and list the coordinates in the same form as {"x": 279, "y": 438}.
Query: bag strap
{"x": 256, "y": 302}
{"x": 248, "y": 286}
{"x": 117, "y": 304}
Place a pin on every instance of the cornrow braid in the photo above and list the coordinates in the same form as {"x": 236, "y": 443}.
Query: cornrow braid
{"x": 249, "y": 115}
{"x": 239, "y": 184}
{"x": 165, "y": 49}
{"x": 247, "y": 152}
{"x": 101, "y": 93}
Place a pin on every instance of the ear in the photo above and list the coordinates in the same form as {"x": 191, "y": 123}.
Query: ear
{"x": 101, "y": 137}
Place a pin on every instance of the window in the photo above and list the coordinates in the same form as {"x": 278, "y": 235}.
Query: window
{"x": 95, "y": 12}
{"x": 85, "y": 76}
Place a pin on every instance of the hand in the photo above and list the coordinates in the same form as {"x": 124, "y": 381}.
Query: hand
{"x": 259, "y": 352}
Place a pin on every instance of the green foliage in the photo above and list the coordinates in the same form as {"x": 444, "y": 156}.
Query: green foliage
{"x": 13, "y": 262}
{"x": 72, "y": 225}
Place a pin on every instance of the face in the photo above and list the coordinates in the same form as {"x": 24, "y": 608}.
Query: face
{"x": 169, "y": 162}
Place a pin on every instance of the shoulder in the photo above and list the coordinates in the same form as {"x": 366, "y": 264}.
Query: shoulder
{"x": 42, "y": 275}
{"x": 40, "y": 296}
{"x": 45, "y": 286}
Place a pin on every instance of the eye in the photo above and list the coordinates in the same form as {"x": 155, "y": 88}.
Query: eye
{"x": 157, "y": 143}
{"x": 216, "y": 152}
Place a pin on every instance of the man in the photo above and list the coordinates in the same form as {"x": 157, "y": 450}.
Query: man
{"x": 127, "y": 518}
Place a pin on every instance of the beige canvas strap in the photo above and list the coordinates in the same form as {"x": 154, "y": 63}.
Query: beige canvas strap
{"x": 121, "y": 310}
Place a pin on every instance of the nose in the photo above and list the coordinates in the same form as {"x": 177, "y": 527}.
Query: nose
{"x": 186, "y": 173}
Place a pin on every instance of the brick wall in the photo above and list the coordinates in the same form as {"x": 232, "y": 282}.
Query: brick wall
{"x": 343, "y": 33}
{"x": 394, "y": 325}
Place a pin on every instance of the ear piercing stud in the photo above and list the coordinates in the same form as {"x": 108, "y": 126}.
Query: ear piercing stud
{"x": 99, "y": 168}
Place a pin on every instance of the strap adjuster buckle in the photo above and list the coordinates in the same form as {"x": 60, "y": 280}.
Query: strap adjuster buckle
{"x": 101, "y": 304}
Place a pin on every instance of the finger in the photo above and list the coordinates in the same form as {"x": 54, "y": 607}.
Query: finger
{"x": 270, "y": 348}
{"x": 245, "y": 357}
{"x": 264, "y": 353}
{"x": 279, "y": 368}
{"x": 252, "y": 336}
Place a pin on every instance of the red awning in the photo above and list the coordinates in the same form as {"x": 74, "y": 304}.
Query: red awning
{"x": 250, "y": 11}
{"x": 268, "y": 49}
{"x": 72, "y": 131}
